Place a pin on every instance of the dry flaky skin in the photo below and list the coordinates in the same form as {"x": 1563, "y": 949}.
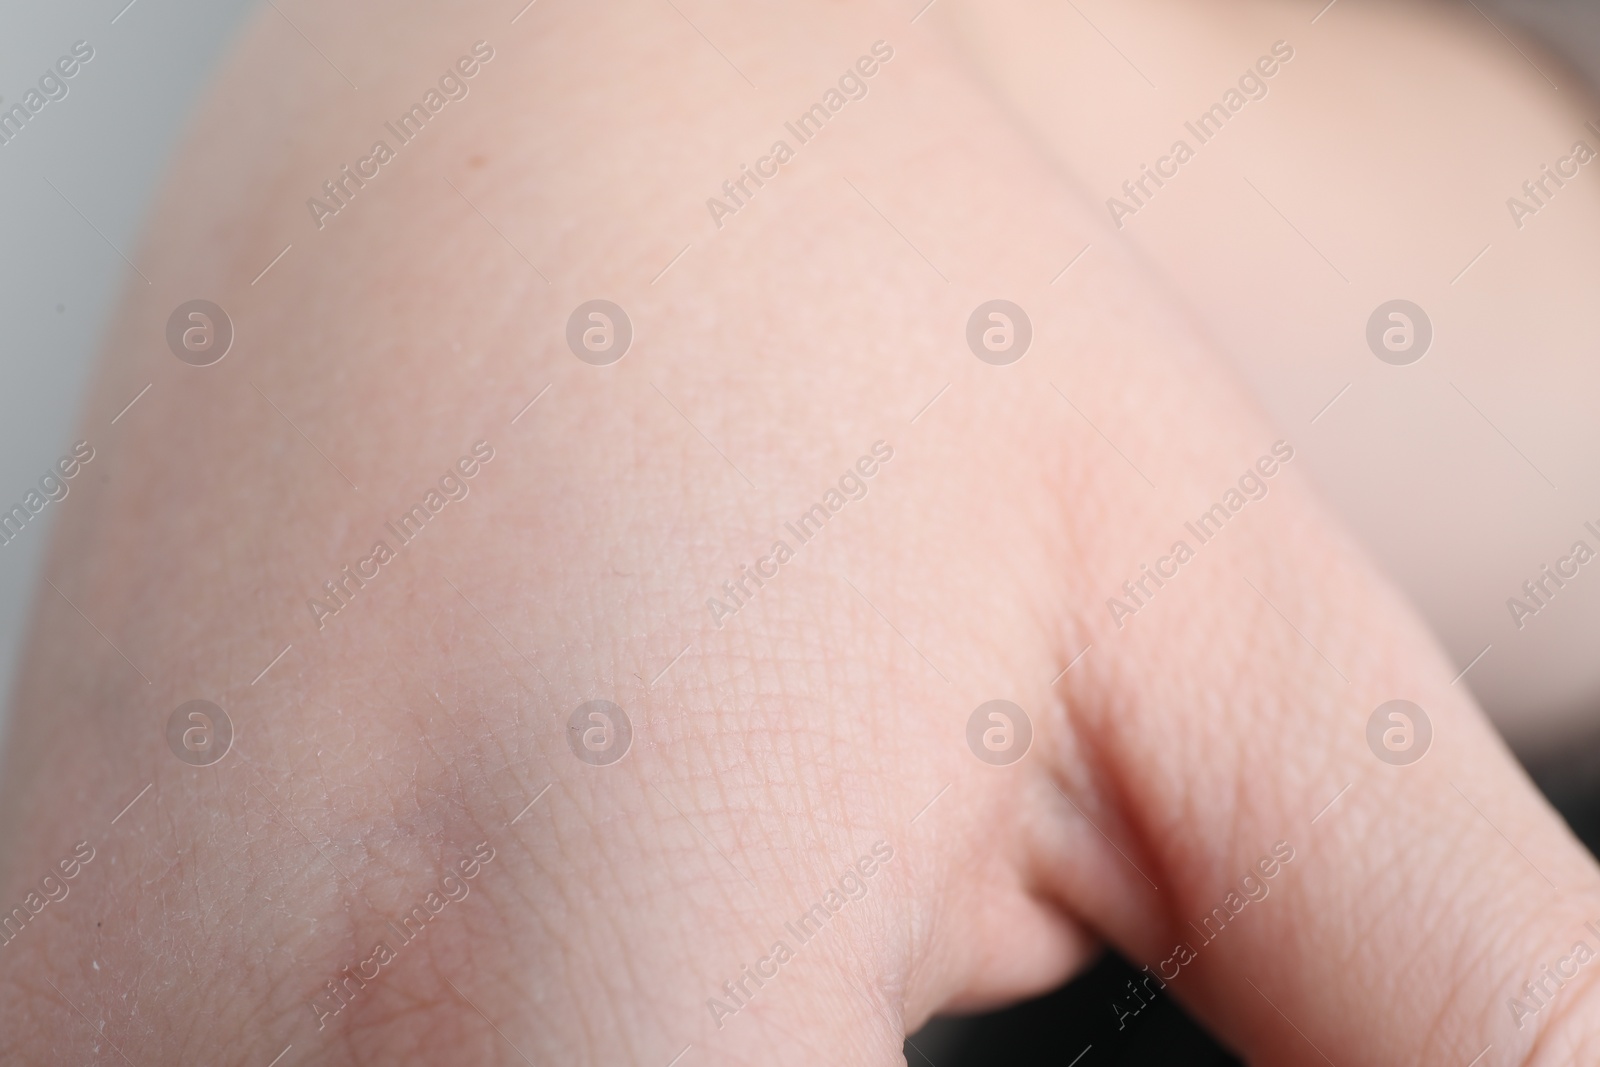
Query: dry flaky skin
{"x": 780, "y": 747}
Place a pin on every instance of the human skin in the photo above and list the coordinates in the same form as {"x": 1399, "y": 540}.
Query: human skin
{"x": 1391, "y": 144}
{"x": 769, "y": 752}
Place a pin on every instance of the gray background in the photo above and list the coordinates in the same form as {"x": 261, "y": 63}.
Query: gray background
{"x": 103, "y": 146}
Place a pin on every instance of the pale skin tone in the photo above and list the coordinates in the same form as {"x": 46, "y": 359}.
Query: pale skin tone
{"x": 1392, "y": 143}
{"x": 827, "y": 714}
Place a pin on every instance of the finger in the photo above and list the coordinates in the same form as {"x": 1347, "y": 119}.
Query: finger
{"x": 1284, "y": 846}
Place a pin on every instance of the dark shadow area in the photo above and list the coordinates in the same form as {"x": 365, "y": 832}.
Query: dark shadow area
{"x": 1056, "y": 1028}
{"x": 1059, "y": 1027}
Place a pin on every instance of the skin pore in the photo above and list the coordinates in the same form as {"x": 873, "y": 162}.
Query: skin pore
{"x": 773, "y": 751}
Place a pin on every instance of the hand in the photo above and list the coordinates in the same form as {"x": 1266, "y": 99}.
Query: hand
{"x": 804, "y": 767}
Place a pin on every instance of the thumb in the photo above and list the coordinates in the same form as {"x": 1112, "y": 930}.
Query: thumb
{"x": 1298, "y": 819}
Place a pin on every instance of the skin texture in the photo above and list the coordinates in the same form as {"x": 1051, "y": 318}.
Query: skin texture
{"x": 770, "y": 752}
{"x": 1392, "y": 142}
